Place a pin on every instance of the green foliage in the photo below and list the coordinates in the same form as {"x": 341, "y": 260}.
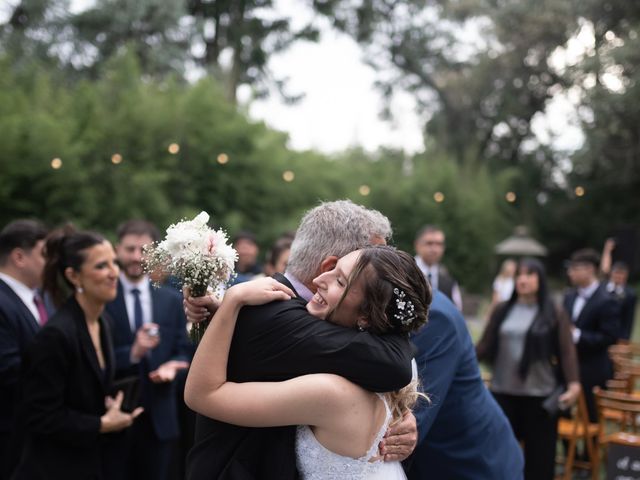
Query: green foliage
{"x": 131, "y": 120}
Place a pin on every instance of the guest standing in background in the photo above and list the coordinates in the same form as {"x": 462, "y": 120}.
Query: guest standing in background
{"x": 68, "y": 368}
{"x": 596, "y": 323}
{"x": 150, "y": 341}
{"x": 504, "y": 282}
{"x": 429, "y": 245}
{"x": 21, "y": 315}
{"x": 277, "y": 256}
{"x": 247, "y": 266}
{"x": 528, "y": 344}
{"x": 618, "y": 287}
{"x": 626, "y": 297}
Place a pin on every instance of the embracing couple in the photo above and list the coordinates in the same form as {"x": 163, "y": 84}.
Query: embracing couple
{"x": 301, "y": 354}
{"x": 317, "y": 373}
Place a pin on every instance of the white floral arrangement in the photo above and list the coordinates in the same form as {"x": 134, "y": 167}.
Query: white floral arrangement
{"x": 198, "y": 256}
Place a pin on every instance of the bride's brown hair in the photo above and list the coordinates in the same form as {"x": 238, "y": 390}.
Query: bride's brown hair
{"x": 396, "y": 299}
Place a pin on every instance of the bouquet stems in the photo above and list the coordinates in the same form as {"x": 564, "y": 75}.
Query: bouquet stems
{"x": 197, "y": 329}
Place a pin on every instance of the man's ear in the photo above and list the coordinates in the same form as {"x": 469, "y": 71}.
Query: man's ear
{"x": 17, "y": 257}
{"x": 328, "y": 263}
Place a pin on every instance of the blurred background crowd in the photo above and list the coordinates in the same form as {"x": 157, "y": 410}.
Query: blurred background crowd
{"x": 115, "y": 331}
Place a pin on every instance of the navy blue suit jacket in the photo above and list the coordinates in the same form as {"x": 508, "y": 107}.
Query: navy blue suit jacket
{"x": 599, "y": 324}
{"x": 159, "y": 400}
{"x": 462, "y": 433}
{"x": 627, "y": 301}
{"x": 17, "y": 328}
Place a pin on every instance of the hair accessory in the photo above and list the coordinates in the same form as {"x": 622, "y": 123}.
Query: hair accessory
{"x": 405, "y": 310}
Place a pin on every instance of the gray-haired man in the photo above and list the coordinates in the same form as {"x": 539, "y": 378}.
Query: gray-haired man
{"x": 277, "y": 341}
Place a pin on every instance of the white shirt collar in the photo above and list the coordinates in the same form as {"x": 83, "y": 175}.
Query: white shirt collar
{"x": 426, "y": 269}
{"x": 302, "y": 290}
{"x": 23, "y": 292}
{"x": 128, "y": 285}
{"x": 586, "y": 292}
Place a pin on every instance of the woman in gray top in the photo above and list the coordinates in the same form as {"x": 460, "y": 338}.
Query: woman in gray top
{"x": 529, "y": 347}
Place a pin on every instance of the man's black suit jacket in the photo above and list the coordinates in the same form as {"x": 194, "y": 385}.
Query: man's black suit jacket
{"x": 64, "y": 392}
{"x": 599, "y": 324}
{"x": 18, "y": 326}
{"x": 276, "y": 342}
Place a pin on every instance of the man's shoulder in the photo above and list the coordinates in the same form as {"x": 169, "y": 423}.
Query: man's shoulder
{"x": 444, "y": 310}
{"x": 444, "y": 320}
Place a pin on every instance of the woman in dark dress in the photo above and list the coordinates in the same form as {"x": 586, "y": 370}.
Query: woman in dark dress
{"x": 68, "y": 369}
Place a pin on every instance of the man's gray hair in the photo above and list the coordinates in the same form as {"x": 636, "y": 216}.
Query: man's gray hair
{"x": 333, "y": 228}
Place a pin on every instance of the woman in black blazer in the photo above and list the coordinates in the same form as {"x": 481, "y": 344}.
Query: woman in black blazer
{"x": 68, "y": 369}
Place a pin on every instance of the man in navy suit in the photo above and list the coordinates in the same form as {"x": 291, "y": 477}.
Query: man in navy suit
{"x": 21, "y": 266}
{"x": 462, "y": 432}
{"x": 149, "y": 336}
{"x": 596, "y": 323}
{"x": 626, "y": 297}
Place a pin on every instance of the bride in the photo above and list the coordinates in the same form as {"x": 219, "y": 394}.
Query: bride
{"x": 376, "y": 290}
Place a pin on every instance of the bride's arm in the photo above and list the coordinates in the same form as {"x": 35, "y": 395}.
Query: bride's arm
{"x": 309, "y": 400}
{"x": 208, "y": 370}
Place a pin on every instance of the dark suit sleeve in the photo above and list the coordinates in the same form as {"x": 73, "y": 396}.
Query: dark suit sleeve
{"x": 45, "y": 379}
{"x": 567, "y": 349}
{"x": 181, "y": 349}
{"x": 606, "y": 330}
{"x": 10, "y": 360}
{"x": 628, "y": 314}
{"x": 439, "y": 350}
{"x": 282, "y": 340}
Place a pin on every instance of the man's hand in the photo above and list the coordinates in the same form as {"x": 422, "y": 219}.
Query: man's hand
{"x": 147, "y": 338}
{"x": 198, "y": 309}
{"x": 167, "y": 371}
{"x": 400, "y": 440}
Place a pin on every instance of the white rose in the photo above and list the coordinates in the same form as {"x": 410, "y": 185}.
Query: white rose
{"x": 201, "y": 219}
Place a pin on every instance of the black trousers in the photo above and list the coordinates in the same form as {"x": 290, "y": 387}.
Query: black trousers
{"x": 137, "y": 453}
{"x": 536, "y": 429}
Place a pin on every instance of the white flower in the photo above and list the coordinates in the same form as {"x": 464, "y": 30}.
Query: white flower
{"x": 194, "y": 253}
{"x": 201, "y": 219}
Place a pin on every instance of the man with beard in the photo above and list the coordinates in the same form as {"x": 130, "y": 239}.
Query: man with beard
{"x": 150, "y": 341}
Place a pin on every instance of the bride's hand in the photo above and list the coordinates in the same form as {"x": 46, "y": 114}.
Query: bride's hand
{"x": 258, "y": 292}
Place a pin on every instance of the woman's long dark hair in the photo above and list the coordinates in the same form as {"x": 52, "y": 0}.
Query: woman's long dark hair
{"x": 539, "y": 343}
{"x": 65, "y": 248}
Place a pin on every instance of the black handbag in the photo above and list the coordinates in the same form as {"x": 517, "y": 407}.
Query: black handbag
{"x": 551, "y": 404}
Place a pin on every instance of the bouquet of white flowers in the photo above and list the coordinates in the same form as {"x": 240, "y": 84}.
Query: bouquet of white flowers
{"x": 198, "y": 256}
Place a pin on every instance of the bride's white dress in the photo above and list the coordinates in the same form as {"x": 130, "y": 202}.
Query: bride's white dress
{"x": 315, "y": 462}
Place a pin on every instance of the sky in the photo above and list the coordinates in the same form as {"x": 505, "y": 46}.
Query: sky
{"x": 341, "y": 107}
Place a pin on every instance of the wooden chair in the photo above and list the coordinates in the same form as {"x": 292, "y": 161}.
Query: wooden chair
{"x": 622, "y": 428}
{"x": 576, "y": 429}
{"x": 626, "y": 369}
